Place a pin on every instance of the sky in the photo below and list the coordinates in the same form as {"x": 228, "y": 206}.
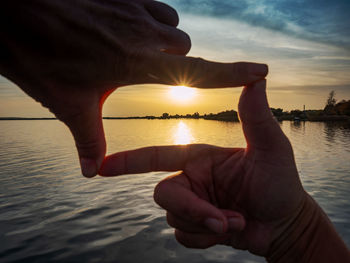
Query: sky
{"x": 306, "y": 44}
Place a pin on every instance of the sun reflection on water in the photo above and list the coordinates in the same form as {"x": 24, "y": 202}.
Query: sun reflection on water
{"x": 182, "y": 134}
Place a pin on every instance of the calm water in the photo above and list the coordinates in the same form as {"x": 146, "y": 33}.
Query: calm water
{"x": 49, "y": 212}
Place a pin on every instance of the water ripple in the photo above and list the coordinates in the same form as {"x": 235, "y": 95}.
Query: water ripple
{"x": 50, "y": 213}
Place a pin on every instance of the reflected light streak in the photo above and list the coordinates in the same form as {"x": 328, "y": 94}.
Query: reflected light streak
{"x": 182, "y": 134}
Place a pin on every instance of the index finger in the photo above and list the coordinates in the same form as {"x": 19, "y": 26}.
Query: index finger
{"x": 157, "y": 158}
{"x": 162, "y": 68}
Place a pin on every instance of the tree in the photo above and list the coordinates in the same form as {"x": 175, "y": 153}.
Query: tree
{"x": 165, "y": 115}
{"x": 196, "y": 115}
{"x": 331, "y": 101}
{"x": 330, "y": 104}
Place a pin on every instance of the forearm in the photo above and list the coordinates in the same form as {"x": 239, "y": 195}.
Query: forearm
{"x": 310, "y": 238}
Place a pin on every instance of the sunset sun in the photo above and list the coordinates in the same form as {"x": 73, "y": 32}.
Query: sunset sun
{"x": 182, "y": 94}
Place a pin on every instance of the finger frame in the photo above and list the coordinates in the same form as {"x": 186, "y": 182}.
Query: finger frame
{"x": 160, "y": 158}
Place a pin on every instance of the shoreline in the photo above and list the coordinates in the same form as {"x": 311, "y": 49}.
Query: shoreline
{"x": 326, "y": 118}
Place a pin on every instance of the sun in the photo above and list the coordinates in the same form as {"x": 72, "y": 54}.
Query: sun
{"x": 182, "y": 94}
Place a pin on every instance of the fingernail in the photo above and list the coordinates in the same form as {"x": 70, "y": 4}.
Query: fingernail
{"x": 235, "y": 223}
{"x": 88, "y": 167}
{"x": 260, "y": 69}
{"x": 214, "y": 225}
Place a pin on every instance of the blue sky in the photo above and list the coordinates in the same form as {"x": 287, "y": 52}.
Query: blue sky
{"x": 316, "y": 20}
{"x": 305, "y": 43}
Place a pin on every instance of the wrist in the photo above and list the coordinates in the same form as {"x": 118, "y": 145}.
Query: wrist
{"x": 290, "y": 245}
{"x": 309, "y": 237}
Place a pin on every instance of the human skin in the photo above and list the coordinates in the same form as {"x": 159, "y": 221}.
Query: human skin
{"x": 70, "y": 55}
{"x": 250, "y": 199}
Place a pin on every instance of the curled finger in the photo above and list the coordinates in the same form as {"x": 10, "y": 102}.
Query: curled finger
{"x": 236, "y": 222}
{"x": 176, "y": 41}
{"x": 163, "y": 13}
{"x": 201, "y": 241}
{"x": 186, "y": 226}
{"x": 175, "y": 195}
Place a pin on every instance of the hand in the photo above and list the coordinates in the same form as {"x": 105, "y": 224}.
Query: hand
{"x": 69, "y": 55}
{"x": 244, "y": 198}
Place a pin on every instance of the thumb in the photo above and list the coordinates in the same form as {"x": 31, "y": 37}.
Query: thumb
{"x": 261, "y": 130}
{"x": 87, "y": 129}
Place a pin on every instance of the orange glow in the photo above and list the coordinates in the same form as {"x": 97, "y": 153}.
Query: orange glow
{"x": 182, "y": 94}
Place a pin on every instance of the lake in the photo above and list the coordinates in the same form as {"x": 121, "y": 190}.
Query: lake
{"x": 50, "y": 213}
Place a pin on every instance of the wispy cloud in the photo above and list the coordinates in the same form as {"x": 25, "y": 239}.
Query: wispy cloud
{"x": 323, "y": 21}
{"x": 305, "y": 42}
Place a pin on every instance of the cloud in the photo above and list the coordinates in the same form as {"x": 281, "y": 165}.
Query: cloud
{"x": 316, "y": 89}
{"x": 321, "y": 21}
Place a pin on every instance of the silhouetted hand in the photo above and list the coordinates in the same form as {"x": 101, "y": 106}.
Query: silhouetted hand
{"x": 244, "y": 198}
{"x": 69, "y": 55}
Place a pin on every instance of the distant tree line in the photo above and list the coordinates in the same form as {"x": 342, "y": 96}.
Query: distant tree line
{"x": 229, "y": 115}
{"x": 331, "y": 111}
{"x": 166, "y": 115}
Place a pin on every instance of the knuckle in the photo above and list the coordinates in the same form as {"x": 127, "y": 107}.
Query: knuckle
{"x": 87, "y": 145}
{"x": 185, "y": 42}
{"x": 158, "y": 194}
{"x": 171, "y": 220}
{"x": 175, "y": 17}
{"x": 188, "y": 42}
{"x": 163, "y": 12}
